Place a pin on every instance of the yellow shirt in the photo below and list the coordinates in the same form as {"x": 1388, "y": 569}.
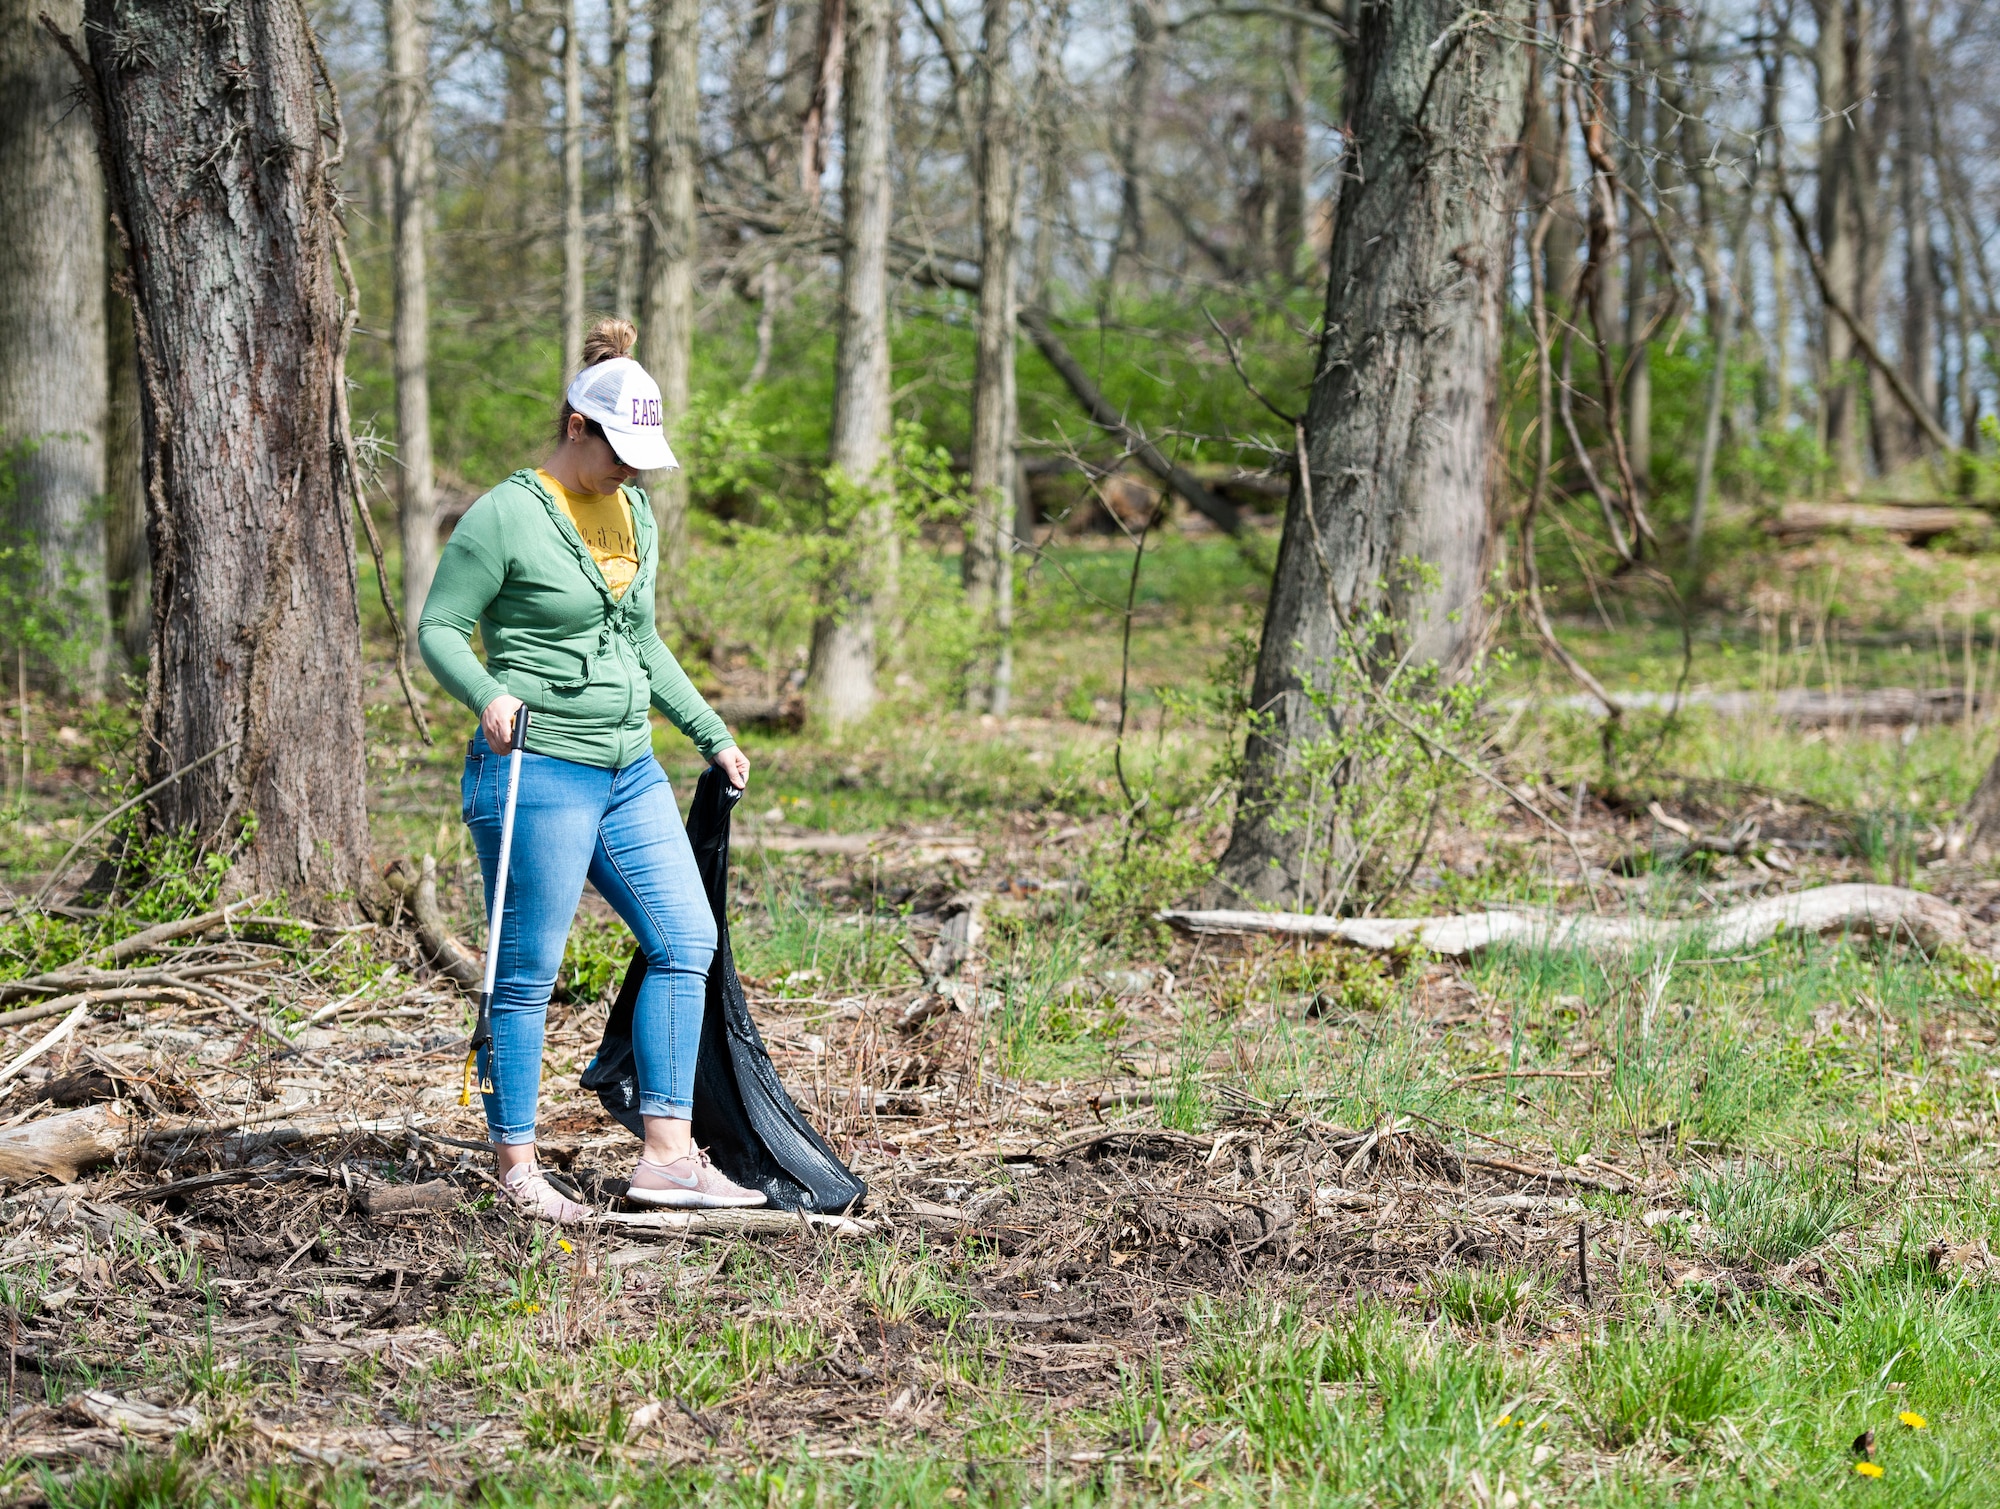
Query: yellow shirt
{"x": 605, "y": 522}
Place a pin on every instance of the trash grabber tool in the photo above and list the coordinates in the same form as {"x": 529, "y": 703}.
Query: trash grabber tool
{"x": 482, "y": 1031}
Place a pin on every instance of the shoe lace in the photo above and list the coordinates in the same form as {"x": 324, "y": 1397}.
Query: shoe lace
{"x": 529, "y": 1185}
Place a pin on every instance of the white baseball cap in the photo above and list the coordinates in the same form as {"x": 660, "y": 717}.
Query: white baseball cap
{"x": 626, "y": 402}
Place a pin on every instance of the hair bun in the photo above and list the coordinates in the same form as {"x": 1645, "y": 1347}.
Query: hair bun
{"x": 609, "y": 338}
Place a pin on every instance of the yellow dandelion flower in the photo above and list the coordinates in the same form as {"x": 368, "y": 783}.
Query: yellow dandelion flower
{"x": 1912, "y": 1419}
{"x": 563, "y": 1242}
{"x": 1868, "y": 1469}
{"x": 1504, "y": 1420}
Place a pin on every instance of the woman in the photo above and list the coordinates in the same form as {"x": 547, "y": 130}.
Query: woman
{"x": 555, "y": 568}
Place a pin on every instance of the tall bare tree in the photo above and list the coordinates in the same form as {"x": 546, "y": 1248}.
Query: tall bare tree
{"x": 53, "y": 377}
{"x": 624, "y": 227}
{"x": 1844, "y": 62}
{"x": 841, "y": 672}
{"x": 1726, "y": 287}
{"x": 513, "y": 212}
{"x": 1643, "y": 127}
{"x": 1548, "y": 182}
{"x": 1294, "y": 168}
{"x": 1917, "y": 353}
{"x": 128, "y": 561}
{"x": 666, "y": 322}
{"x": 1399, "y": 429}
{"x": 1048, "y": 114}
{"x": 217, "y": 153}
{"x": 1128, "y": 245}
{"x": 572, "y": 178}
{"x": 989, "y": 535}
{"x": 408, "y": 121}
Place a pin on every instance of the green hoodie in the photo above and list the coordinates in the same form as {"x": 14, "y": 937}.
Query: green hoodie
{"x": 586, "y": 664}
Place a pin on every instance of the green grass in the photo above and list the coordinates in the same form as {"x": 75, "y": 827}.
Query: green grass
{"x": 1776, "y": 1106}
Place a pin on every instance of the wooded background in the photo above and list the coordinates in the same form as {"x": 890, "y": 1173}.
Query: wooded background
{"x": 952, "y": 276}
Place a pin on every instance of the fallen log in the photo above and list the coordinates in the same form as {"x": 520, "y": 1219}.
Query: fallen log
{"x": 60, "y": 1004}
{"x": 125, "y": 948}
{"x": 47, "y": 1041}
{"x": 451, "y": 957}
{"x": 733, "y": 1222}
{"x": 431, "y": 1196}
{"x": 854, "y": 845}
{"x": 767, "y": 714}
{"x": 64, "y": 1146}
{"x": 1890, "y": 705}
{"x": 1870, "y": 910}
{"x": 1913, "y": 524}
{"x": 135, "y": 1417}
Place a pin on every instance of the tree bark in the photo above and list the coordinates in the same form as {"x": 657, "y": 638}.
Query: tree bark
{"x": 409, "y": 125}
{"x": 1399, "y": 428}
{"x": 515, "y": 215}
{"x": 572, "y": 177}
{"x": 1918, "y": 354}
{"x": 624, "y": 228}
{"x": 1723, "y": 300}
{"x": 1288, "y": 218}
{"x": 989, "y": 531}
{"x": 1051, "y": 182}
{"x": 54, "y": 387}
{"x": 823, "y": 99}
{"x": 218, "y": 162}
{"x": 1840, "y": 56}
{"x": 666, "y": 322}
{"x": 128, "y": 559}
{"x": 1545, "y": 138}
{"x": 1643, "y": 131}
{"x": 1129, "y": 243}
{"x": 840, "y": 679}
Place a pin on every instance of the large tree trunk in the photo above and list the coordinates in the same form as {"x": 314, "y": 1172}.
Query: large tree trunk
{"x": 216, "y": 155}
{"x": 624, "y": 228}
{"x": 1399, "y": 427}
{"x": 1726, "y": 292}
{"x": 666, "y": 324}
{"x": 841, "y": 675}
{"x": 514, "y": 213}
{"x": 1545, "y": 138}
{"x": 1918, "y": 353}
{"x": 1841, "y": 57}
{"x": 1643, "y": 130}
{"x": 1048, "y": 115}
{"x": 1128, "y": 245}
{"x": 409, "y": 124}
{"x": 128, "y": 562}
{"x": 53, "y": 376}
{"x": 572, "y": 177}
{"x": 1288, "y": 218}
{"x": 989, "y": 531}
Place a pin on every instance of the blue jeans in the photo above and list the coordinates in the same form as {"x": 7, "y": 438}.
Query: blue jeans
{"x": 620, "y": 830}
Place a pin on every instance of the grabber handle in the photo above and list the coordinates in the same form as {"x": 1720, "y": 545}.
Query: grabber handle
{"x": 482, "y": 1031}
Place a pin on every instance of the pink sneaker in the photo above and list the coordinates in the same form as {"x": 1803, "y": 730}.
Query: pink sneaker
{"x": 540, "y": 1200}
{"x": 689, "y": 1183}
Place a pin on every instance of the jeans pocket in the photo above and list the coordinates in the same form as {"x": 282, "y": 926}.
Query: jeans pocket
{"x": 468, "y": 787}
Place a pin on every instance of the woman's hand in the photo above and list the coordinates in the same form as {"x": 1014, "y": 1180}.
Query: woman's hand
{"x": 498, "y": 721}
{"x": 733, "y": 763}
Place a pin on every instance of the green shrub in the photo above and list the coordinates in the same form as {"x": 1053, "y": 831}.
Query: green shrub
{"x": 1759, "y": 1215}
{"x": 1674, "y": 1386}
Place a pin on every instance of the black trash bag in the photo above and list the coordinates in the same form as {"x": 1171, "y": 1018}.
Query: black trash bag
{"x": 742, "y": 1115}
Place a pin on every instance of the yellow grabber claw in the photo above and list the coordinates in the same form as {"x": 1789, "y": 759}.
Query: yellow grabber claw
{"x": 465, "y": 1090}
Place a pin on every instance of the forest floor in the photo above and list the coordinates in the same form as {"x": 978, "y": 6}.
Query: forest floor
{"x": 1150, "y": 1218}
